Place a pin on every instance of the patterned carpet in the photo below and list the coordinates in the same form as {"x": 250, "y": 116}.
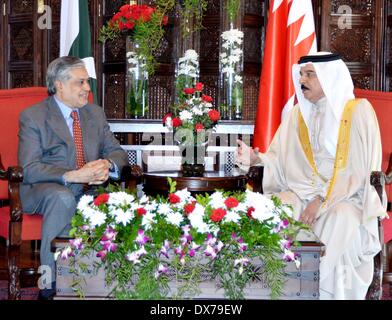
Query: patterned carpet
{"x": 32, "y": 293}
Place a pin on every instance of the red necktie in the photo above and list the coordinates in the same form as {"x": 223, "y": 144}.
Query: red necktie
{"x": 78, "y": 139}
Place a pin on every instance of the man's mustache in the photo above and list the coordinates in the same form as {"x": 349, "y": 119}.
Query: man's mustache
{"x": 303, "y": 87}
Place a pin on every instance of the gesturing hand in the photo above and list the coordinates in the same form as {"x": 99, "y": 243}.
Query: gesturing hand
{"x": 245, "y": 155}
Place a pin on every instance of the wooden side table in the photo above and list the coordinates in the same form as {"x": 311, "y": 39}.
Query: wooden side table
{"x": 156, "y": 182}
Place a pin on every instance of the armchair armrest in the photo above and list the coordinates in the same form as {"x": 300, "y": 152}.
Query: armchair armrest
{"x": 255, "y": 178}
{"x": 378, "y": 180}
{"x": 131, "y": 175}
{"x": 14, "y": 176}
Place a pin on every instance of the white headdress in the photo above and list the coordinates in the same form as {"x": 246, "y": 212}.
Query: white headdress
{"x": 338, "y": 87}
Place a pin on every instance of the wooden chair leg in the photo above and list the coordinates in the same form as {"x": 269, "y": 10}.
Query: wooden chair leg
{"x": 14, "y": 274}
{"x": 375, "y": 289}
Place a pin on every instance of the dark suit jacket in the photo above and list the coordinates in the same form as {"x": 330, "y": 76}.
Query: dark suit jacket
{"x": 46, "y": 147}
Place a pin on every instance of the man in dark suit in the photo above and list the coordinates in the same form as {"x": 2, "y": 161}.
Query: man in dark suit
{"x": 65, "y": 147}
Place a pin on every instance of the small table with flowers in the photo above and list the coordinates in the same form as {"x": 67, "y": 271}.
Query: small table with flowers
{"x": 156, "y": 182}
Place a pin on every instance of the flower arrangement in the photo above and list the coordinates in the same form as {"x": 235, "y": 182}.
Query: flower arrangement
{"x": 144, "y": 24}
{"x": 194, "y": 118}
{"x": 177, "y": 238}
{"x": 231, "y": 68}
{"x": 187, "y": 73}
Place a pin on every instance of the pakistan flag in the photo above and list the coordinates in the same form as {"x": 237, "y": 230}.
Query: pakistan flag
{"x": 75, "y": 36}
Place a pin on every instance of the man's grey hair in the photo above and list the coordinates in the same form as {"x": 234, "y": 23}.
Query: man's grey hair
{"x": 58, "y": 70}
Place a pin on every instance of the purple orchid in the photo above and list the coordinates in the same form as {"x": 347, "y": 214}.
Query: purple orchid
{"x": 67, "y": 253}
{"x": 210, "y": 252}
{"x": 135, "y": 255}
{"x": 165, "y": 249}
{"x": 102, "y": 254}
{"x": 186, "y": 229}
{"x": 109, "y": 246}
{"x": 109, "y": 235}
{"x": 77, "y": 243}
{"x": 242, "y": 245}
{"x": 161, "y": 270}
{"x": 141, "y": 239}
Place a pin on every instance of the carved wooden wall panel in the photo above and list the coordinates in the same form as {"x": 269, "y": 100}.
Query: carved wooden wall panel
{"x": 114, "y": 95}
{"x": 355, "y": 29}
{"x": 22, "y": 64}
{"x": 388, "y": 40}
{"x": 27, "y": 49}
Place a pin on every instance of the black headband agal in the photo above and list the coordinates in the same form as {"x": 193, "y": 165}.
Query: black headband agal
{"x": 321, "y": 58}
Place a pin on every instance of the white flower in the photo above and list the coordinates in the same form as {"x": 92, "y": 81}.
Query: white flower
{"x": 122, "y": 216}
{"x": 228, "y": 70}
{"x": 237, "y": 79}
{"x": 175, "y": 218}
{"x": 186, "y": 115}
{"x": 197, "y": 111}
{"x": 144, "y": 199}
{"x": 190, "y": 55}
{"x": 234, "y": 59}
{"x": 264, "y": 207}
{"x": 148, "y": 220}
{"x": 233, "y": 36}
{"x": 164, "y": 208}
{"x": 196, "y": 219}
{"x": 217, "y": 200}
{"x": 151, "y": 206}
{"x": 97, "y": 218}
{"x": 231, "y": 216}
{"x": 120, "y": 199}
{"x": 84, "y": 202}
{"x": 184, "y": 195}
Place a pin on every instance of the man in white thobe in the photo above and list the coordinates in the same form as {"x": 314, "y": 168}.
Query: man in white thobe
{"x": 320, "y": 162}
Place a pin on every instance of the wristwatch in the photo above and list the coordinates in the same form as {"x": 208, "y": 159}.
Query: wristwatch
{"x": 112, "y": 167}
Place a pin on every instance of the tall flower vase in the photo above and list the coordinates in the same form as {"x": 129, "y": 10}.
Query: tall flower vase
{"x": 136, "y": 100}
{"x": 193, "y": 147}
{"x": 231, "y": 59}
{"x": 187, "y": 53}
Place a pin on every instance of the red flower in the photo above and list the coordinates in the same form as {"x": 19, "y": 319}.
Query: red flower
{"x": 101, "y": 199}
{"x": 206, "y": 98}
{"x": 177, "y": 122}
{"x": 164, "y": 20}
{"x": 168, "y": 115}
{"x": 218, "y": 214}
{"x": 199, "y": 127}
{"x": 249, "y": 213}
{"x": 190, "y": 207}
{"x": 146, "y": 13}
{"x": 199, "y": 86}
{"x": 173, "y": 198}
{"x": 214, "y": 115}
{"x": 189, "y": 90}
{"x": 141, "y": 211}
{"x": 130, "y": 25}
{"x": 231, "y": 202}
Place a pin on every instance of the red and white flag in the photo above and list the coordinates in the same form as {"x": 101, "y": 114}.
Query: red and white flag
{"x": 290, "y": 35}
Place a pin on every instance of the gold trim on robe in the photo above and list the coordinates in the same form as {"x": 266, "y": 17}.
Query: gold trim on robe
{"x": 342, "y": 146}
